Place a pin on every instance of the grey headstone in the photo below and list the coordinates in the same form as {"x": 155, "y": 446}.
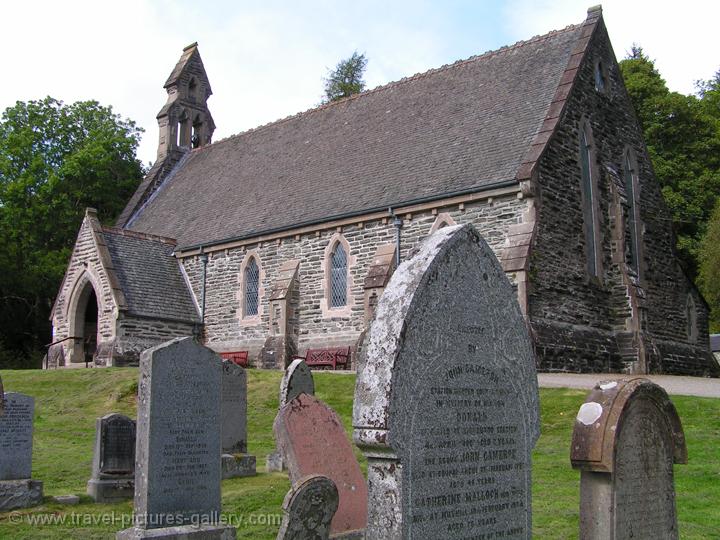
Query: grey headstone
{"x": 16, "y": 437}
{"x": 113, "y": 474}
{"x": 446, "y": 399}
{"x": 308, "y": 509}
{"x": 177, "y": 475}
{"x": 233, "y": 408}
{"x": 297, "y": 380}
{"x": 627, "y": 436}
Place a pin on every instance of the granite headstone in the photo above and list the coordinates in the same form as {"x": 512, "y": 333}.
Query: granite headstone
{"x": 235, "y": 460}
{"x": 296, "y": 380}
{"x": 312, "y": 440}
{"x": 446, "y": 398}
{"x": 177, "y": 469}
{"x": 627, "y": 436}
{"x": 113, "y": 473}
{"x": 17, "y": 489}
{"x": 308, "y": 509}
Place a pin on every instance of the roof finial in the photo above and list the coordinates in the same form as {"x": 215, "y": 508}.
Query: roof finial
{"x": 592, "y": 10}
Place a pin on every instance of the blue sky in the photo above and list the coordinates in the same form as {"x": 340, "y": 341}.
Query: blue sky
{"x": 266, "y": 59}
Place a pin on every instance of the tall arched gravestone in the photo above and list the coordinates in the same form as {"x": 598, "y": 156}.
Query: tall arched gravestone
{"x": 446, "y": 399}
{"x": 626, "y": 438}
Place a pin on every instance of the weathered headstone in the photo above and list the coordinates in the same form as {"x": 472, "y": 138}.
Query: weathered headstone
{"x": 312, "y": 440}
{"x": 177, "y": 455}
{"x": 296, "y": 380}
{"x": 17, "y": 489}
{"x": 235, "y": 460}
{"x": 308, "y": 509}
{"x": 113, "y": 473}
{"x": 446, "y": 399}
{"x": 626, "y": 438}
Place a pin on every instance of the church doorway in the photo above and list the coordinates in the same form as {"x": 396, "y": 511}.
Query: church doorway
{"x": 84, "y": 325}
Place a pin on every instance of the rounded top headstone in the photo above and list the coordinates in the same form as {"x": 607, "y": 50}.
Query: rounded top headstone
{"x": 309, "y": 508}
{"x": 297, "y": 380}
{"x": 600, "y": 420}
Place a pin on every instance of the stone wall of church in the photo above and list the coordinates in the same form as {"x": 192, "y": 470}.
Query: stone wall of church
{"x": 316, "y": 325}
{"x": 135, "y": 334}
{"x": 577, "y": 319}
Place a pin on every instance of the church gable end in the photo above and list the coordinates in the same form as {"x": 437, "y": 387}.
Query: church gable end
{"x": 589, "y": 308}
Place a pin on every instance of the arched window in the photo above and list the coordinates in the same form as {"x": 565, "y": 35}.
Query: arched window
{"x": 631, "y": 189}
{"x": 195, "y": 139}
{"x": 252, "y": 288}
{"x": 691, "y": 318}
{"x": 600, "y": 77}
{"x": 589, "y": 202}
{"x": 338, "y": 277}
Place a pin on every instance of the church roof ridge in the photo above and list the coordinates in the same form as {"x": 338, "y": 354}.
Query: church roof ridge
{"x": 394, "y": 84}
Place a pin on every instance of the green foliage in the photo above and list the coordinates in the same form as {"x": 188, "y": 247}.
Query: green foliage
{"x": 346, "y": 79}
{"x": 683, "y": 138}
{"x": 709, "y": 278}
{"x": 55, "y": 160}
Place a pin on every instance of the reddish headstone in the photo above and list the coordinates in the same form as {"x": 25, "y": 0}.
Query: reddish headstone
{"x": 312, "y": 440}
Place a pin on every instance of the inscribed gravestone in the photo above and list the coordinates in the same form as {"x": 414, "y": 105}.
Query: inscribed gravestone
{"x": 177, "y": 474}
{"x": 626, "y": 438}
{"x": 312, "y": 440}
{"x": 17, "y": 489}
{"x": 233, "y": 407}
{"x": 446, "y": 399}
{"x": 296, "y": 380}
{"x": 113, "y": 476}
{"x": 308, "y": 509}
{"x": 16, "y": 437}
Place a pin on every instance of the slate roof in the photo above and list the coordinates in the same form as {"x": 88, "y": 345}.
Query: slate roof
{"x": 455, "y": 129}
{"x": 150, "y": 276}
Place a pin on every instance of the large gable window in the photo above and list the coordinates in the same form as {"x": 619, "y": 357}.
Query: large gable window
{"x": 338, "y": 276}
{"x": 252, "y": 288}
{"x": 588, "y": 188}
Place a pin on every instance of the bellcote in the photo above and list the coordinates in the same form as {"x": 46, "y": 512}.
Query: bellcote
{"x": 185, "y": 121}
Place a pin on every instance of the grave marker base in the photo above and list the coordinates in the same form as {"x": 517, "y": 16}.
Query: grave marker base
{"x": 238, "y": 465}
{"x": 20, "y": 494}
{"x": 106, "y": 490}
{"x": 189, "y": 532}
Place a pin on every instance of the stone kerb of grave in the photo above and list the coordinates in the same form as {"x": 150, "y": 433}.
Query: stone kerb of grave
{"x": 627, "y": 436}
{"x": 446, "y": 398}
{"x": 309, "y": 508}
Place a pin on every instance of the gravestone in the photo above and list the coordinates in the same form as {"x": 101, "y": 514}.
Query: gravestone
{"x": 296, "y": 380}
{"x": 626, "y": 438}
{"x": 113, "y": 472}
{"x": 308, "y": 509}
{"x": 17, "y": 488}
{"x": 233, "y": 406}
{"x": 177, "y": 454}
{"x": 446, "y": 398}
{"x": 312, "y": 440}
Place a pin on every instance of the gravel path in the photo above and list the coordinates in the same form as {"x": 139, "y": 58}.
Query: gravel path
{"x": 687, "y": 386}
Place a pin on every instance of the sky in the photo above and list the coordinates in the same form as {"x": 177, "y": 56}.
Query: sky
{"x": 266, "y": 59}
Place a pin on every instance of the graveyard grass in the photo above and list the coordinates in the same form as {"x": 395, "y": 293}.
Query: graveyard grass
{"x": 68, "y": 401}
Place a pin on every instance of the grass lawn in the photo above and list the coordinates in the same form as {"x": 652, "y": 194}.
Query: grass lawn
{"x": 68, "y": 401}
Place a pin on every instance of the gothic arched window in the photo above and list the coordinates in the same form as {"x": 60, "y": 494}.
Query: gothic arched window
{"x": 252, "y": 288}
{"x": 631, "y": 189}
{"x": 338, "y": 276}
{"x": 588, "y": 188}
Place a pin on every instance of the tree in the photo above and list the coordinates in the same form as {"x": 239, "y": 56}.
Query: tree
{"x": 709, "y": 278}
{"x": 346, "y": 79}
{"x": 683, "y": 141}
{"x": 55, "y": 160}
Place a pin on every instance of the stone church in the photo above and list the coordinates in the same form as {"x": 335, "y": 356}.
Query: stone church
{"x": 281, "y": 239}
